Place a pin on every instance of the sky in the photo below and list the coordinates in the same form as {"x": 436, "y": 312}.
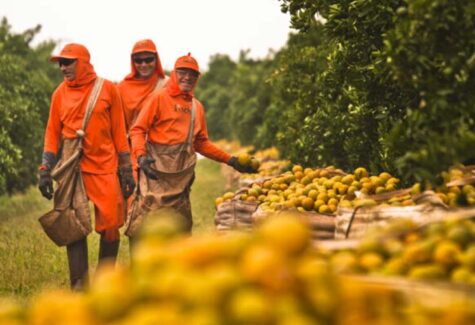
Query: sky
{"x": 109, "y": 28}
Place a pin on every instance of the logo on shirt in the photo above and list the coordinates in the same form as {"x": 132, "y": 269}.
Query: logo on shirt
{"x": 182, "y": 109}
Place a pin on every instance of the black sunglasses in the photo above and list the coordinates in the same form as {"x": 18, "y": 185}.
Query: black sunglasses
{"x": 66, "y": 62}
{"x": 189, "y": 72}
{"x": 146, "y": 60}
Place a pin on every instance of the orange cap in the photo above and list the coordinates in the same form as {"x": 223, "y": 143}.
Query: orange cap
{"x": 72, "y": 51}
{"x": 145, "y": 45}
{"x": 187, "y": 62}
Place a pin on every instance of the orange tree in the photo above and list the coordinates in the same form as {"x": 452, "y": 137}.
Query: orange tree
{"x": 250, "y": 97}
{"x": 293, "y": 83}
{"x": 431, "y": 51}
{"x": 26, "y": 82}
{"x": 214, "y": 91}
{"x": 236, "y": 96}
{"x": 386, "y": 84}
{"x": 397, "y": 89}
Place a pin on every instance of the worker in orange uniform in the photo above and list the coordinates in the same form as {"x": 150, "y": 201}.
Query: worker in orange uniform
{"x": 168, "y": 132}
{"x": 145, "y": 77}
{"x": 105, "y": 162}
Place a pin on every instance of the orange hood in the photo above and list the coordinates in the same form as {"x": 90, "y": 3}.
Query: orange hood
{"x": 133, "y": 90}
{"x": 145, "y": 45}
{"x": 85, "y": 73}
{"x": 188, "y": 62}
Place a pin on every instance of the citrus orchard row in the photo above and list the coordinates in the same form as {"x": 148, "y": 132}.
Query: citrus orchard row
{"x": 323, "y": 190}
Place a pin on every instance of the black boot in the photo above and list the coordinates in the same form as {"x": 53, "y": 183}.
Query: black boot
{"x": 78, "y": 265}
{"x": 108, "y": 251}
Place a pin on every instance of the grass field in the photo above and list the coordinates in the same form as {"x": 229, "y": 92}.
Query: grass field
{"x": 30, "y": 262}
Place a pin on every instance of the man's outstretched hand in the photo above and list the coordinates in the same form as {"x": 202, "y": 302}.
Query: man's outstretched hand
{"x": 234, "y": 163}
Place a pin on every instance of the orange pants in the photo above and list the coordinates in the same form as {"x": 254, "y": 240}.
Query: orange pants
{"x": 104, "y": 191}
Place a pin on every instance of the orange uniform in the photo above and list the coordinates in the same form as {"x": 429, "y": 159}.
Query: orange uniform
{"x": 105, "y": 133}
{"x": 105, "y": 136}
{"x": 165, "y": 120}
{"x": 135, "y": 91}
{"x": 169, "y": 130}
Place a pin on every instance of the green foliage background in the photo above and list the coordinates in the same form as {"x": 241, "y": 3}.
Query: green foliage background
{"x": 386, "y": 84}
{"x": 27, "y": 80}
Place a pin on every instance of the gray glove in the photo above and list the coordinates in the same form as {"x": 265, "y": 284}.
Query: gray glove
{"x": 126, "y": 177}
{"x": 46, "y": 183}
{"x": 234, "y": 163}
{"x": 144, "y": 163}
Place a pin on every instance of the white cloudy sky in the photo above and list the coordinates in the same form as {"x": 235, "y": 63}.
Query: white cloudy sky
{"x": 109, "y": 28}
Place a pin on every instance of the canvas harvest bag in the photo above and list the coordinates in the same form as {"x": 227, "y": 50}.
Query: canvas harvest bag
{"x": 353, "y": 223}
{"x": 70, "y": 219}
{"x": 175, "y": 166}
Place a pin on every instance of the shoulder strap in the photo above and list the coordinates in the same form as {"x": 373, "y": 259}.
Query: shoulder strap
{"x": 161, "y": 83}
{"x": 192, "y": 122}
{"x": 90, "y": 105}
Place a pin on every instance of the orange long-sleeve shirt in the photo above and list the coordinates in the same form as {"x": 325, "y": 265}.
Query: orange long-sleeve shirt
{"x": 134, "y": 93}
{"x": 165, "y": 119}
{"x": 105, "y": 134}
